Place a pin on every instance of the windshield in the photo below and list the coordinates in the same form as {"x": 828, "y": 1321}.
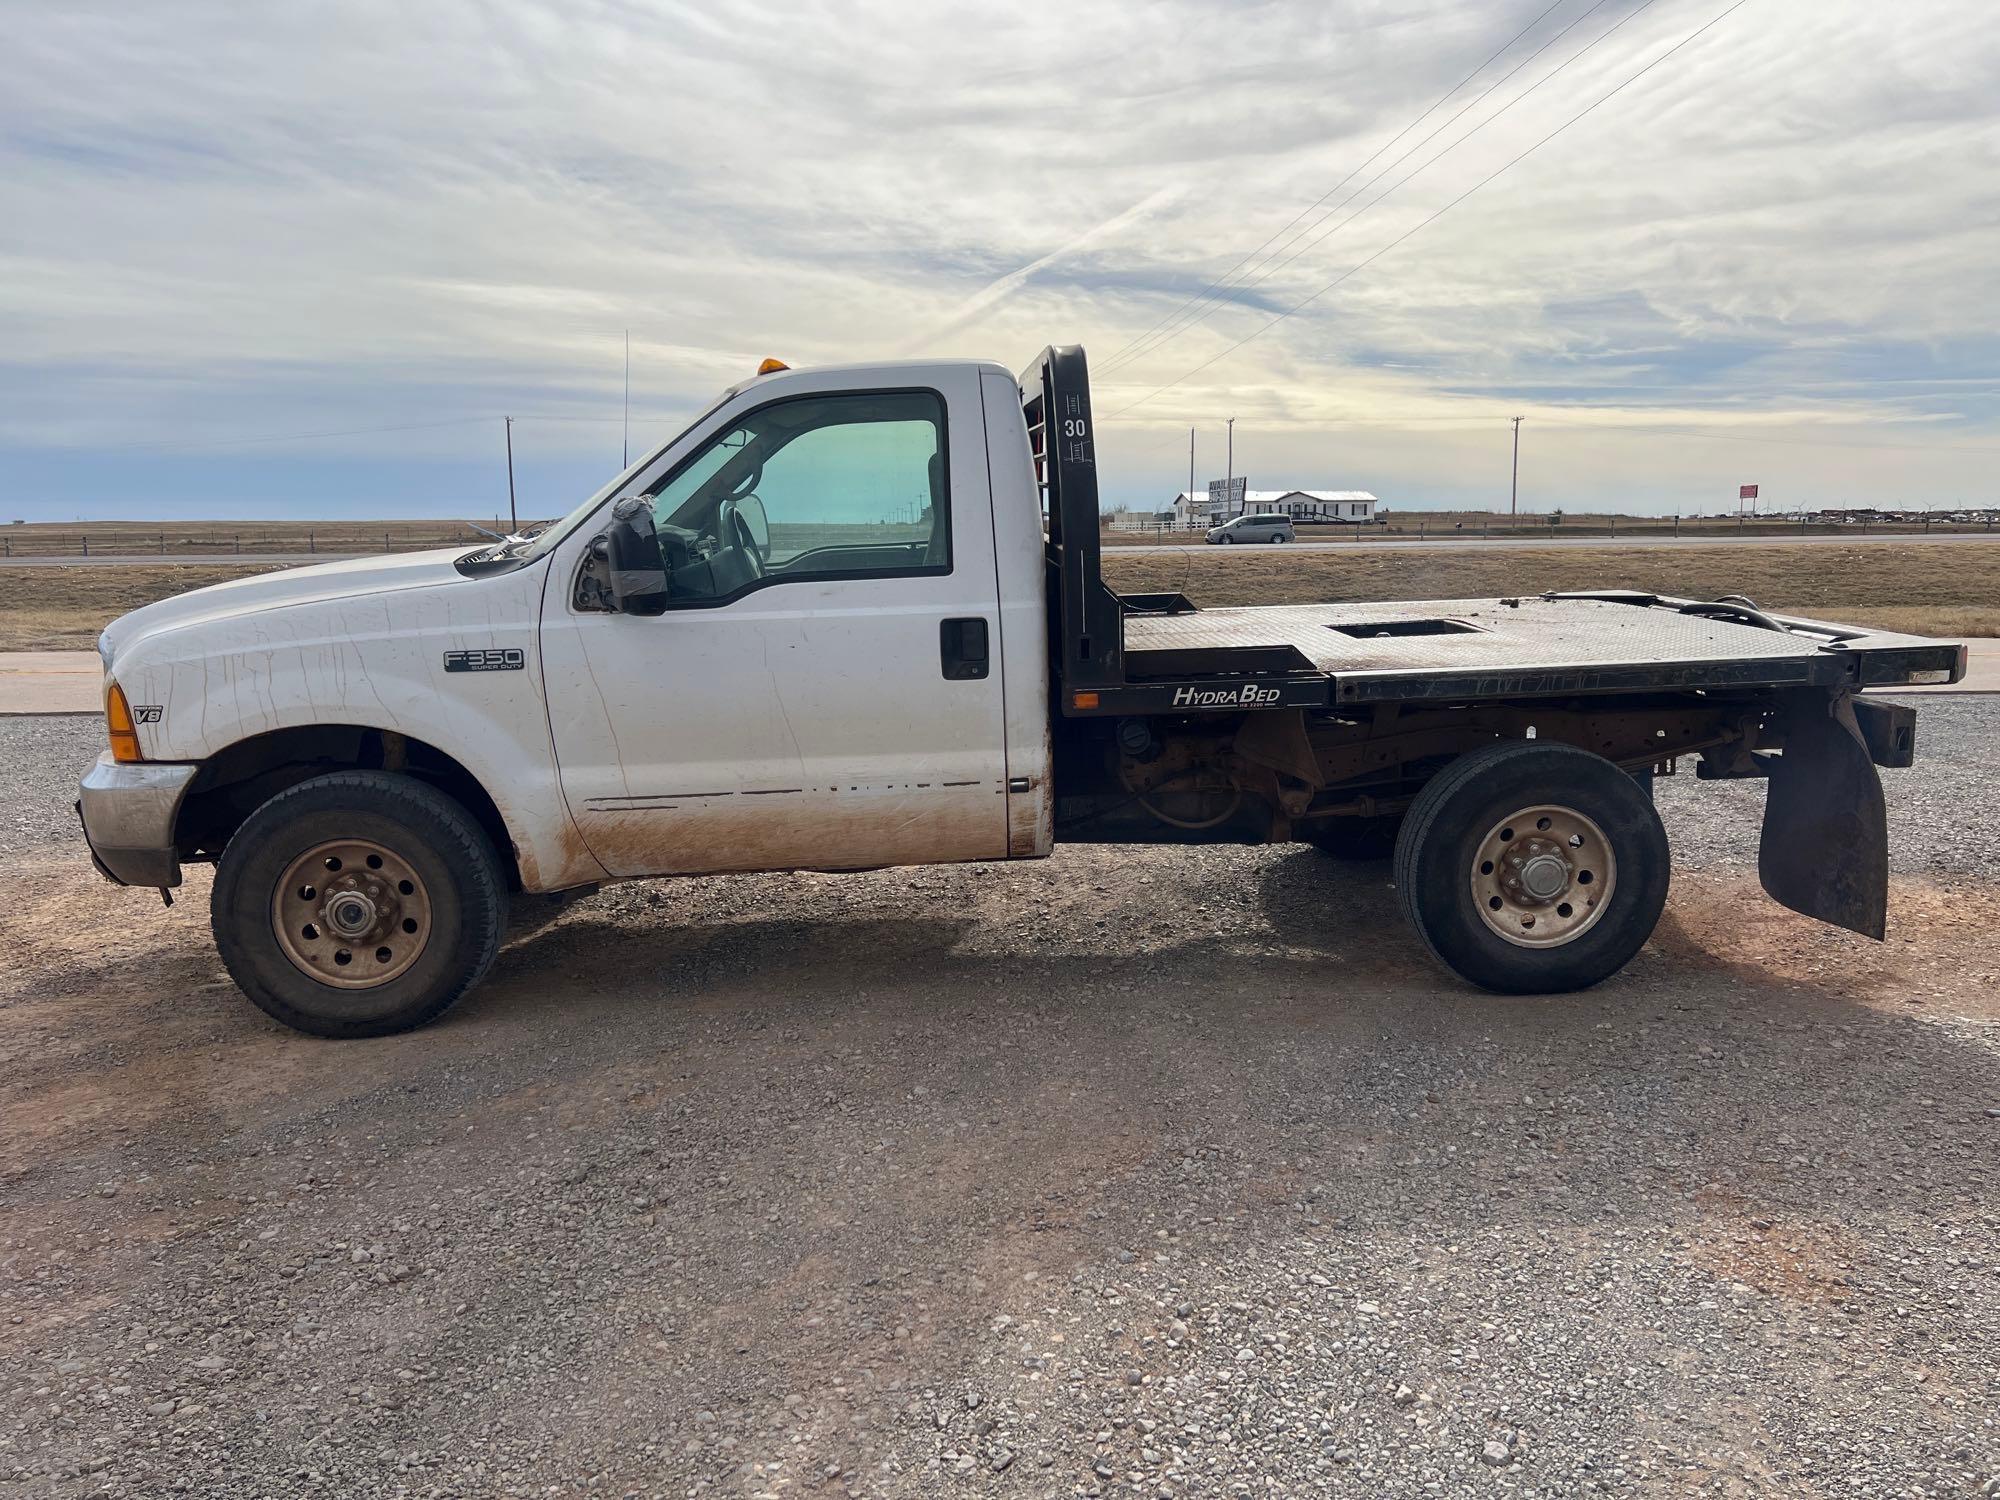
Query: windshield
{"x": 550, "y": 536}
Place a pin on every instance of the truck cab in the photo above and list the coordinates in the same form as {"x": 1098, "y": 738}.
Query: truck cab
{"x": 854, "y": 617}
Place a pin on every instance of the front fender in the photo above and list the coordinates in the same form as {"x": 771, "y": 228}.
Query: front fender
{"x": 378, "y": 661}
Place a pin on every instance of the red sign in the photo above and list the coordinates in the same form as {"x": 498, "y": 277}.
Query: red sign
{"x": 1747, "y": 492}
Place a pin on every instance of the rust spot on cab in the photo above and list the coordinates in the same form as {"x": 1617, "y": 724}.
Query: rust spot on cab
{"x": 816, "y": 830}
{"x": 569, "y": 863}
{"x": 1030, "y": 821}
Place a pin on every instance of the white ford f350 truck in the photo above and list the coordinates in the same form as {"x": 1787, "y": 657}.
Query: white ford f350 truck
{"x": 853, "y": 617}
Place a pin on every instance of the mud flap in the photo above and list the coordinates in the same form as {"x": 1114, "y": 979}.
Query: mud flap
{"x": 1825, "y": 850}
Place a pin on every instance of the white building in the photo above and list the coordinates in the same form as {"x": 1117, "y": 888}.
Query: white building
{"x": 1344, "y": 507}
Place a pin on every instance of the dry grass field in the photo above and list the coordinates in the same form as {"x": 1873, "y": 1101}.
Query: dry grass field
{"x": 1925, "y": 589}
{"x": 181, "y": 539}
{"x": 187, "y": 539}
{"x": 1460, "y": 524}
{"x": 1949, "y": 591}
{"x": 63, "y": 609}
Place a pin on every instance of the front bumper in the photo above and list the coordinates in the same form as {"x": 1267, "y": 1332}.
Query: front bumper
{"x": 128, "y": 813}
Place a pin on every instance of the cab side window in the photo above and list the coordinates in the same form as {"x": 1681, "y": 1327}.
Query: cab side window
{"x": 850, "y": 486}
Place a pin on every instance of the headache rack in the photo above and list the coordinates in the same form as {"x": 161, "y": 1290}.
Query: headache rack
{"x": 1095, "y": 674}
{"x": 1158, "y": 653}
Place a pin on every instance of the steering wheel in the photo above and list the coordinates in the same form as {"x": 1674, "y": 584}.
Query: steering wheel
{"x": 731, "y": 530}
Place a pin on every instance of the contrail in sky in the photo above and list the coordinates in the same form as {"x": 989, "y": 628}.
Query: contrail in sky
{"x": 1005, "y": 287}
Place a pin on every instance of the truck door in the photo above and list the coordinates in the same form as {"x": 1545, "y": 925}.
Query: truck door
{"x": 823, "y": 690}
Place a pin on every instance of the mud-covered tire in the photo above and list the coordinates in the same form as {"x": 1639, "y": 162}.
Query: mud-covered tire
{"x": 1464, "y": 808}
{"x": 1357, "y": 839}
{"x": 451, "y": 862}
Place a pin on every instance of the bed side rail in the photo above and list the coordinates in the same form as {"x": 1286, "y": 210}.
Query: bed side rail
{"x": 1879, "y": 658}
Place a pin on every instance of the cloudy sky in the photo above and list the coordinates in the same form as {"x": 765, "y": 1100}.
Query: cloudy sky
{"x": 300, "y": 259}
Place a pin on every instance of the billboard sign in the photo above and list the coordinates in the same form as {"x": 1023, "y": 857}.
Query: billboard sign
{"x": 1746, "y": 492}
{"x": 1228, "y": 494}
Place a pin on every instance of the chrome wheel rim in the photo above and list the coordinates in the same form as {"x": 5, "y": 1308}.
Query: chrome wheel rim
{"x": 1543, "y": 876}
{"x": 352, "y": 913}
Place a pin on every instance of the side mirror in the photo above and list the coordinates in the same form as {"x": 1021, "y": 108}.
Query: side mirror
{"x": 638, "y": 572}
{"x": 757, "y": 524}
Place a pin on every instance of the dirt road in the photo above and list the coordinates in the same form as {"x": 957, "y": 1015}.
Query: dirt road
{"x": 1159, "y": 1173}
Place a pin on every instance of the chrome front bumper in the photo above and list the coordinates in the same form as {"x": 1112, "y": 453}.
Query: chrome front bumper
{"x": 128, "y": 813}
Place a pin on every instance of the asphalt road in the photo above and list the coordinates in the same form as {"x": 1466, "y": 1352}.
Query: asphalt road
{"x": 1135, "y": 1172}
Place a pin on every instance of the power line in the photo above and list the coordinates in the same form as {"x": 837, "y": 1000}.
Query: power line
{"x": 1118, "y": 354}
{"x": 1271, "y": 268}
{"x": 1278, "y": 262}
{"x": 1440, "y": 213}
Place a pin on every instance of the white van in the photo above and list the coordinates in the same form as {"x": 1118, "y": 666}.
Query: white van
{"x": 1263, "y": 526}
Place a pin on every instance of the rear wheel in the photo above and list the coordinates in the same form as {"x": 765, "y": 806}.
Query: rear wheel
{"x": 1532, "y": 868}
{"x": 358, "y": 904}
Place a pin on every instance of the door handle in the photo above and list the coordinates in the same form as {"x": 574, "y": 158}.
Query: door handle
{"x": 962, "y": 649}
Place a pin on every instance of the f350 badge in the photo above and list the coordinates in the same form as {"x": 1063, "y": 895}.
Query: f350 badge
{"x": 486, "y": 659}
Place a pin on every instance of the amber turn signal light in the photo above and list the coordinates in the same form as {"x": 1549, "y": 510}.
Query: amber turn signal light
{"x": 118, "y": 723}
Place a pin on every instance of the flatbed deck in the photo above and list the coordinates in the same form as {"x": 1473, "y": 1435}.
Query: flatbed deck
{"x": 1141, "y": 654}
{"x": 1482, "y": 648}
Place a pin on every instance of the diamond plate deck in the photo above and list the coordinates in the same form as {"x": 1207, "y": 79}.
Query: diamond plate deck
{"x": 1528, "y": 633}
{"x": 1493, "y": 647}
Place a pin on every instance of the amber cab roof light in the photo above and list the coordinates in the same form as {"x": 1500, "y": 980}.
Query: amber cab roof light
{"x": 118, "y": 726}
{"x": 772, "y": 366}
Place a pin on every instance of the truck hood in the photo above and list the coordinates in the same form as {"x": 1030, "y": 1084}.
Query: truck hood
{"x": 312, "y": 585}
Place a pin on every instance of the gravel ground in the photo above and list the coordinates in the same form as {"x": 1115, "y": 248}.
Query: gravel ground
{"x": 1936, "y": 825}
{"x": 41, "y": 759}
{"x": 1143, "y": 1172}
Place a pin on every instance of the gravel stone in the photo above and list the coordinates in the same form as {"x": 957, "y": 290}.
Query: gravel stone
{"x": 42, "y": 758}
{"x": 660, "y": 1210}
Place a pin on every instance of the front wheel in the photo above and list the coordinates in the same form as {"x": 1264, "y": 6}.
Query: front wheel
{"x": 358, "y": 904}
{"x": 1532, "y": 868}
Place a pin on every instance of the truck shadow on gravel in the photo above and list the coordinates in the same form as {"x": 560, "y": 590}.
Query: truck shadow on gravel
{"x": 1328, "y": 1013}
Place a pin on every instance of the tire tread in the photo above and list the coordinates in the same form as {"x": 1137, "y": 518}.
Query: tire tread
{"x": 468, "y": 852}
{"x": 1420, "y": 822}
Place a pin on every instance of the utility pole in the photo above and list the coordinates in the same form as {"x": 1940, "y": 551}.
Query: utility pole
{"x": 625, "y": 453}
{"x": 1514, "y": 494}
{"x": 1229, "y": 470}
{"x": 1190, "y": 473}
{"x": 513, "y": 517}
